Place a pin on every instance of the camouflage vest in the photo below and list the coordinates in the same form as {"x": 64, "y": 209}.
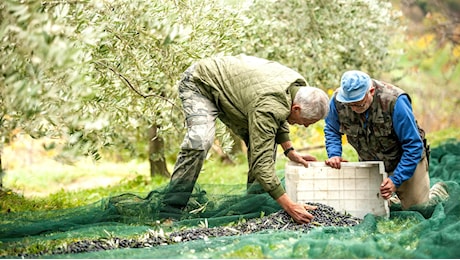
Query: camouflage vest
{"x": 375, "y": 139}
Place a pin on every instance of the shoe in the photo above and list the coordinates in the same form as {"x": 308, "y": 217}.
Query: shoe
{"x": 394, "y": 199}
{"x": 439, "y": 192}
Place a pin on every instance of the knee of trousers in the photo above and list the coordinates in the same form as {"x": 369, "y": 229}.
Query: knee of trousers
{"x": 199, "y": 137}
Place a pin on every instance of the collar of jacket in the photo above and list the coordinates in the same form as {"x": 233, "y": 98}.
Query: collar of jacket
{"x": 293, "y": 90}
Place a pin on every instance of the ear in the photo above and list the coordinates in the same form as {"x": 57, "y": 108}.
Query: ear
{"x": 295, "y": 107}
{"x": 372, "y": 90}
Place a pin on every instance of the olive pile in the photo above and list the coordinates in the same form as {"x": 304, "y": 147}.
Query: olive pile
{"x": 324, "y": 216}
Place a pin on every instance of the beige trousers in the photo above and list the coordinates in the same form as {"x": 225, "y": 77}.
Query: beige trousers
{"x": 416, "y": 190}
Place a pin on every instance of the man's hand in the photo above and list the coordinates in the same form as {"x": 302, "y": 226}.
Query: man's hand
{"x": 335, "y": 161}
{"x": 299, "y": 158}
{"x": 297, "y": 211}
{"x": 387, "y": 188}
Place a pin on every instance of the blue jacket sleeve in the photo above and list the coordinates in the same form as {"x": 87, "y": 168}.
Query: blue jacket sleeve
{"x": 332, "y": 132}
{"x": 406, "y": 129}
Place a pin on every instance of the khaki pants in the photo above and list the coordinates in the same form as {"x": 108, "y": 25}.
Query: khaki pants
{"x": 416, "y": 190}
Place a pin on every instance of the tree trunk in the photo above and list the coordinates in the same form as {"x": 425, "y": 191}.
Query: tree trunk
{"x": 238, "y": 147}
{"x": 225, "y": 158}
{"x": 156, "y": 154}
{"x": 238, "y": 144}
{"x": 1, "y": 171}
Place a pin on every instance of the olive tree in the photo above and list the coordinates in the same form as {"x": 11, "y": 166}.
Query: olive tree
{"x": 321, "y": 39}
{"x": 40, "y": 89}
{"x": 145, "y": 47}
{"x": 103, "y": 74}
{"x": 99, "y": 74}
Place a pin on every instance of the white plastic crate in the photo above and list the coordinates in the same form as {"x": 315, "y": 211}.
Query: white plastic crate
{"x": 353, "y": 189}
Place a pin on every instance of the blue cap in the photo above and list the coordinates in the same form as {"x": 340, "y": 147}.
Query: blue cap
{"x": 354, "y": 85}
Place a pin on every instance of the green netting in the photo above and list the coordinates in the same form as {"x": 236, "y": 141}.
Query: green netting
{"x": 429, "y": 231}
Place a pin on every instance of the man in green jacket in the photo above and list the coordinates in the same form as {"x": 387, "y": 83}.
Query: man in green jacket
{"x": 256, "y": 99}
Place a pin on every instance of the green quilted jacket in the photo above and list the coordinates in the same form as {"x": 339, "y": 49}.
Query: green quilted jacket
{"x": 254, "y": 98}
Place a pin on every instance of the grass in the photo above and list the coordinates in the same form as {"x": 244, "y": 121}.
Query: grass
{"x": 49, "y": 176}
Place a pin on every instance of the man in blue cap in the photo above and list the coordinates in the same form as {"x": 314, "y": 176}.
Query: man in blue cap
{"x": 378, "y": 121}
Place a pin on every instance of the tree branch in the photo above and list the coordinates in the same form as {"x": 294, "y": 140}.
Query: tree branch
{"x": 128, "y": 83}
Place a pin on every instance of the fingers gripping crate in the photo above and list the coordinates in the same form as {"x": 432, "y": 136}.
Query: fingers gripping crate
{"x": 353, "y": 189}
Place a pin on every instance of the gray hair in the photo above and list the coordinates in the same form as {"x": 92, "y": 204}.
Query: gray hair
{"x": 313, "y": 102}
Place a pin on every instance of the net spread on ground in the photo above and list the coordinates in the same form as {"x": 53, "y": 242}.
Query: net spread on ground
{"x": 223, "y": 221}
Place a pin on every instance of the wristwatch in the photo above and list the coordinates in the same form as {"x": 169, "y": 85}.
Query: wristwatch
{"x": 286, "y": 152}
